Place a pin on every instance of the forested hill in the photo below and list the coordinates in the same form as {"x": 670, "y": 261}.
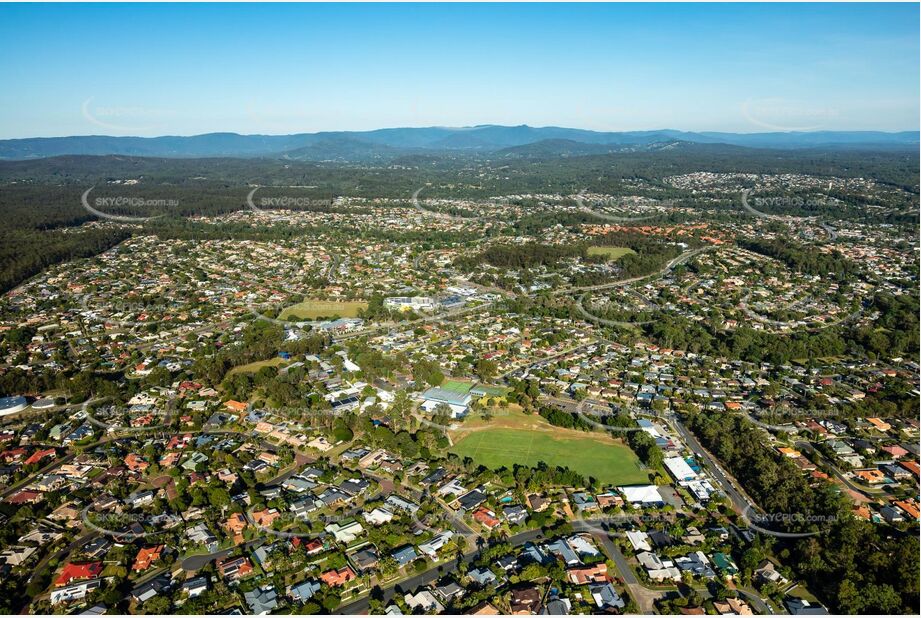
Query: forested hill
{"x": 386, "y": 144}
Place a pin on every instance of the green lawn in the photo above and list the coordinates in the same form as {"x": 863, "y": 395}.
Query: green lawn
{"x": 312, "y": 309}
{"x": 606, "y": 460}
{"x": 612, "y": 253}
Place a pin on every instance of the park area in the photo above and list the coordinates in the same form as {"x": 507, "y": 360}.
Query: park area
{"x": 611, "y": 253}
{"x": 314, "y": 309}
{"x": 516, "y": 438}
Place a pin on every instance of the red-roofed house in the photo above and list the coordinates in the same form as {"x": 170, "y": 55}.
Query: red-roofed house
{"x": 78, "y": 570}
{"x": 313, "y": 546}
{"x": 870, "y": 475}
{"x": 235, "y": 406}
{"x": 911, "y": 466}
{"x": 143, "y": 421}
{"x": 14, "y": 454}
{"x": 135, "y": 463}
{"x": 338, "y": 577}
{"x": 26, "y": 496}
{"x": 179, "y": 442}
{"x": 146, "y": 557}
{"x": 895, "y": 450}
{"x": 910, "y": 506}
{"x": 486, "y": 517}
{"x": 235, "y": 568}
{"x": 235, "y": 525}
{"x": 38, "y": 455}
{"x": 586, "y": 575}
{"x": 265, "y": 517}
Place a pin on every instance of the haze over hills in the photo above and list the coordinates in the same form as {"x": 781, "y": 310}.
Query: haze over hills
{"x": 386, "y": 144}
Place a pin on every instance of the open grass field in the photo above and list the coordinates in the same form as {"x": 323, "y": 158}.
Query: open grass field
{"x": 312, "y": 309}
{"x": 514, "y": 437}
{"x": 612, "y": 253}
{"x": 254, "y": 367}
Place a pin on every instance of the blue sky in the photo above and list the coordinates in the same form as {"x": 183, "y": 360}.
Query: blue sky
{"x": 188, "y": 69}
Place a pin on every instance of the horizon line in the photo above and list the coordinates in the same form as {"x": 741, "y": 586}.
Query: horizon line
{"x": 462, "y": 127}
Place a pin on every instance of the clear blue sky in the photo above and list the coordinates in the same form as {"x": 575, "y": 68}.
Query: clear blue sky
{"x": 188, "y": 69}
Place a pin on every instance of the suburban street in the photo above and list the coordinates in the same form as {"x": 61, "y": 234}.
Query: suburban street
{"x": 360, "y": 606}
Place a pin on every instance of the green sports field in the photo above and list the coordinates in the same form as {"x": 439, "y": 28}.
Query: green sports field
{"x": 608, "y": 461}
{"x": 313, "y": 309}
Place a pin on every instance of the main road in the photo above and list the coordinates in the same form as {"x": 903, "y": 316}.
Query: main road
{"x": 740, "y": 502}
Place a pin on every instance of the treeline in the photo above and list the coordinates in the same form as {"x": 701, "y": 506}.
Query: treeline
{"x": 258, "y": 341}
{"x": 744, "y": 343}
{"x": 567, "y": 420}
{"x": 522, "y": 256}
{"x": 857, "y": 566}
{"x": 895, "y": 333}
{"x": 25, "y": 253}
{"x": 542, "y": 476}
{"x": 895, "y": 330}
{"x": 803, "y": 258}
{"x": 34, "y": 233}
{"x": 773, "y": 481}
{"x": 650, "y": 254}
{"x": 79, "y": 385}
{"x": 238, "y": 175}
{"x": 174, "y": 228}
{"x": 540, "y": 306}
{"x": 529, "y": 225}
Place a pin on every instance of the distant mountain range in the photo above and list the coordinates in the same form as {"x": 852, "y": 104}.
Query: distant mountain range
{"x": 487, "y": 140}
